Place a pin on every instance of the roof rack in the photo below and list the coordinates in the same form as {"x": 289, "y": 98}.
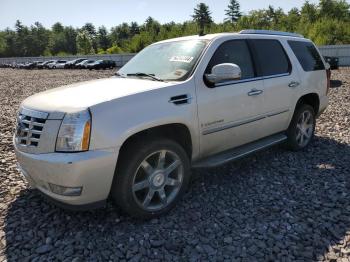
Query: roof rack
{"x": 270, "y": 32}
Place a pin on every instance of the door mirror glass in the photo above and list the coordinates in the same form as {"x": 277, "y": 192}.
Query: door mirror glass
{"x": 224, "y": 72}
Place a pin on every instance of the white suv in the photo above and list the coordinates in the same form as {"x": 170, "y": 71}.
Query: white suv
{"x": 197, "y": 101}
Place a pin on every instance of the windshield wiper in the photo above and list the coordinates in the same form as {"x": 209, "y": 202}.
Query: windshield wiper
{"x": 148, "y": 75}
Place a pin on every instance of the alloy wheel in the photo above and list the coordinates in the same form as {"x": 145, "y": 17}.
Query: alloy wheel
{"x": 304, "y": 128}
{"x": 158, "y": 180}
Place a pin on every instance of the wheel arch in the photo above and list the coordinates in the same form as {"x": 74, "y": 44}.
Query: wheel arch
{"x": 311, "y": 99}
{"x": 178, "y": 132}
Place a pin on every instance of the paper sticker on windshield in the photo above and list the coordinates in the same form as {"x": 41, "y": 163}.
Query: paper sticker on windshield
{"x": 183, "y": 59}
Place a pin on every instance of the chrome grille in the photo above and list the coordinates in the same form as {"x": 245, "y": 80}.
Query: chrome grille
{"x": 30, "y": 125}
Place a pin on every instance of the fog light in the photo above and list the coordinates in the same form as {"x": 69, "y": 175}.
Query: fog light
{"x": 65, "y": 191}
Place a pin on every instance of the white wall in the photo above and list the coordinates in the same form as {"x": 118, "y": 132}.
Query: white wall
{"x": 340, "y": 51}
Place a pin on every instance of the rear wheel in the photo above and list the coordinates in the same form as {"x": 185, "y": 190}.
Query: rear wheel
{"x": 151, "y": 178}
{"x": 302, "y": 127}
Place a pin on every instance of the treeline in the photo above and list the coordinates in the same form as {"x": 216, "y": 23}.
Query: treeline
{"x": 326, "y": 23}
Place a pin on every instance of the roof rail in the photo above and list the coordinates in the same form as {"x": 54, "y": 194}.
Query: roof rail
{"x": 269, "y": 32}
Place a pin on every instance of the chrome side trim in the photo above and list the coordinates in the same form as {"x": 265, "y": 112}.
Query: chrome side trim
{"x": 239, "y": 81}
{"x": 234, "y": 82}
{"x": 242, "y": 122}
{"x": 277, "y": 113}
{"x": 274, "y": 76}
{"x": 232, "y": 125}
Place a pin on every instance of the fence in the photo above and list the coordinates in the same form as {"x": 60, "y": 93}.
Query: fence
{"x": 120, "y": 59}
{"x": 340, "y": 51}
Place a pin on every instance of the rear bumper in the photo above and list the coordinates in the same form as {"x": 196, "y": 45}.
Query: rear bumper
{"x": 93, "y": 171}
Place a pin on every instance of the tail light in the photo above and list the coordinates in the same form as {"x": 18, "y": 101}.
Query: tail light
{"x": 328, "y": 72}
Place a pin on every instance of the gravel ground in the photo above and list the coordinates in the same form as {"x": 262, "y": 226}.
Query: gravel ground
{"x": 275, "y": 205}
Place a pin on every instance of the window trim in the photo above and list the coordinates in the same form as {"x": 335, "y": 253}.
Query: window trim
{"x": 259, "y": 66}
{"x": 251, "y": 79}
{"x": 255, "y": 78}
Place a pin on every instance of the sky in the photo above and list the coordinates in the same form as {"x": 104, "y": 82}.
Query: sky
{"x": 113, "y": 12}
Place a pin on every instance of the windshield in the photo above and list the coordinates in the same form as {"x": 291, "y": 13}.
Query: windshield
{"x": 172, "y": 61}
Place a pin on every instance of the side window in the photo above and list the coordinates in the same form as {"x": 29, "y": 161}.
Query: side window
{"x": 307, "y": 55}
{"x": 236, "y": 52}
{"x": 271, "y": 57}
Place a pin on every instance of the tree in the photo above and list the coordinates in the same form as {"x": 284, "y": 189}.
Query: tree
{"x": 40, "y": 37}
{"x": 102, "y": 38}
{"x": 10, "y": 43}
{"x": 327, "y": 22}
{"x": 23, "y": 41}
{"x": 308, "y": 12}
{"x": 84, "y": 43}
{"x": 233, "y": 11}
{"x": 3, "y": 45}
{"x": 114, "y": 50}
{"x": 338, "y": 9}
{"x": 89, "y": 28}
{"x": 328, "y": 31}
{"x": 140, "y": 41}
{"x": 275, "y": 16}
{"x": 70, "y": 35}
{"x": 292, "y": 20}
{"x": 57, "y": 28}
{"x": 134, "y": 28}
{"x": 202, "y": 16}
{"x": 257, "y": 19}
{"x": 152, "y": 26}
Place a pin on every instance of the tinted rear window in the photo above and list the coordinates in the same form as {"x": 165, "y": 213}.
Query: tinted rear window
{"x": 307, "y": 54}
{"x": 271, "y": 57}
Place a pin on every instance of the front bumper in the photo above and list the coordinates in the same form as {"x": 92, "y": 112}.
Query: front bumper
{"x": 91, "y": 170}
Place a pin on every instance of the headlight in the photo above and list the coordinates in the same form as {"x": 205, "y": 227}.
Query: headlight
{"x": 74, "y": 133}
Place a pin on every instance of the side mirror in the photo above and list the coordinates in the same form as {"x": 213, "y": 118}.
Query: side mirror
{"x": 224, "y": 72}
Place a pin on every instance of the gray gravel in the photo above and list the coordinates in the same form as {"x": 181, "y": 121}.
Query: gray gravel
{"x": 275, "y": 205}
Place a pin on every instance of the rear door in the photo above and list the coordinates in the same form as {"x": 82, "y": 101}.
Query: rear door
{"x": 280, "y": 83}
{"x": 312, "y": 68}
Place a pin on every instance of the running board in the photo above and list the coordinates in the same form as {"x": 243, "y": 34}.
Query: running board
{"x": 239, "y": 152}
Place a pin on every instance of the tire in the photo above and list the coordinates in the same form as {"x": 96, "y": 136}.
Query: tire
{"x": 302, "y": 127}
{"x": 144, "y": 190}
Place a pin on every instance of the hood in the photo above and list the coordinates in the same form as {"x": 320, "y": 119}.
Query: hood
{"x": 82, "y": 95}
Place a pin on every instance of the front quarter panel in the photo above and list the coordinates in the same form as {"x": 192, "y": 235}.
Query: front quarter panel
{"x": 113, "y": 122}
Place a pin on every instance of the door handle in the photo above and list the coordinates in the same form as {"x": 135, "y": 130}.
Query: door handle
{"x": 254, "y": 92}
{"x": 293, "y": 84}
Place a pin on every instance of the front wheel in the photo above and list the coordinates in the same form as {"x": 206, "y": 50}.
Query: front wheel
{"x": 302, "y": 127}
{"x": 151, "y": 177}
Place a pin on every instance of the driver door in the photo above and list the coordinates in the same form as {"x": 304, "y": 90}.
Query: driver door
{"x": 229, "y": 112}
